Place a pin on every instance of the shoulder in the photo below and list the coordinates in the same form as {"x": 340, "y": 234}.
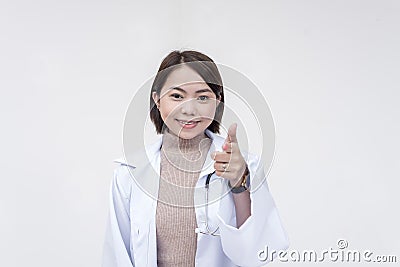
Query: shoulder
{"x": 217, "y": 140}
{"x": 126, "y": 167}
{"x": 134, "y": 158}
{"x": 122, "y": 181}
{"x": 128, "y": 163}
{"x": 251, "y": 157}
{"x": 123, "y": 172}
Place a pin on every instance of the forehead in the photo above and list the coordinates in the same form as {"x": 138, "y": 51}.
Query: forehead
{"x": 185, "y": 78}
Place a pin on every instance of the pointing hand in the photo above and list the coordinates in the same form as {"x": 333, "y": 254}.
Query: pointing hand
{"x": 230, "y": 163}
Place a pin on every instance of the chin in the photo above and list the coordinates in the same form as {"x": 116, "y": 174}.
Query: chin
{"x": 184, "y": 135}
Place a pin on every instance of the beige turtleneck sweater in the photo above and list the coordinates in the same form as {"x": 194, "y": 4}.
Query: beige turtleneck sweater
{"x": 181, "y": 163}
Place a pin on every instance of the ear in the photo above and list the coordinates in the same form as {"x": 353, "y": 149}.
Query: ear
{"x": 218, "y": 99}
{"x": 155, "y": 97}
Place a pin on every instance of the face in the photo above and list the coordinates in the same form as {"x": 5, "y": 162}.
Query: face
{"x": 186, "y": 103}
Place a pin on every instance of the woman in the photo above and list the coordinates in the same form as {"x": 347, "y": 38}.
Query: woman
{"x": 186, "y": 203}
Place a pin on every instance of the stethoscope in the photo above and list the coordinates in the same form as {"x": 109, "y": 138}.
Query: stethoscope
{"x": 207, "y": 230}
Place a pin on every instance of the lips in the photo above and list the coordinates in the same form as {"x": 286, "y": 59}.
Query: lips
{"x": 188, "y": 124}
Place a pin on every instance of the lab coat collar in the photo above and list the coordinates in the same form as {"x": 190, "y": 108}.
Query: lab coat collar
{"x": 153, "y": 153}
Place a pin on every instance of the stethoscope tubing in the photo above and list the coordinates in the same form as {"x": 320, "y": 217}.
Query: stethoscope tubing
{"x": 207, "y": 187}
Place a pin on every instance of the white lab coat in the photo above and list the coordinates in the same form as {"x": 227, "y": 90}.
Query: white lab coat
{"x": 130, "y": 238}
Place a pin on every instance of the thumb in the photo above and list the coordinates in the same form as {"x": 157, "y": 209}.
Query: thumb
{"x": 232, "y": 133}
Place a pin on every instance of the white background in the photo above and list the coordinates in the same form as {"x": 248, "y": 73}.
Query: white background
{"x": 68, "y": 70}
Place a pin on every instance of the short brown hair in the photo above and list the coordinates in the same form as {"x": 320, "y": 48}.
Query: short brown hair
{"x": 204, "y": 66}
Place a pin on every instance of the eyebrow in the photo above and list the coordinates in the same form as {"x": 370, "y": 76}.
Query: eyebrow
{"x": 198, "y": 91}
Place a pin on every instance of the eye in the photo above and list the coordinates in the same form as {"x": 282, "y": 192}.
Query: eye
{"x": 176, "y": 96}
{"x": 203, "y": 98}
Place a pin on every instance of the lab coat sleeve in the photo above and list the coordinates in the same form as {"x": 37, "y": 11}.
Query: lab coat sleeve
{"x": 261, "y": 233}
{"x": 116, "y": 250}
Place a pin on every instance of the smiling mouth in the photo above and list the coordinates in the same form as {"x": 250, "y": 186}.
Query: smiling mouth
{"x": 184, "y": 122}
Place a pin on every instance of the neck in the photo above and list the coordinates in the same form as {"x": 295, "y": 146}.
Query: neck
{"x": 174, "y": 143}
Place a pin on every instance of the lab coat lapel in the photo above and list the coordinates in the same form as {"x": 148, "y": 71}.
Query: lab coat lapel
{"x": 146, "y": 175}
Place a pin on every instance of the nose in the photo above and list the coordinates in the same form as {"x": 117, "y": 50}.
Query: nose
{"x": 189, "y": 107}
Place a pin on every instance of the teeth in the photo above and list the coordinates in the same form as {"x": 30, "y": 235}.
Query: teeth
{"x": 185, "y": 122}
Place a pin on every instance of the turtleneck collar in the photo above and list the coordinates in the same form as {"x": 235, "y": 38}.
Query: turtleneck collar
{"x": 174, "y": 144}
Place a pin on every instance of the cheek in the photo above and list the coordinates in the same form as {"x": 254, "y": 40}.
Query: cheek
{"x": 208, "y": 111}
{"x": 166, "y": 109}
